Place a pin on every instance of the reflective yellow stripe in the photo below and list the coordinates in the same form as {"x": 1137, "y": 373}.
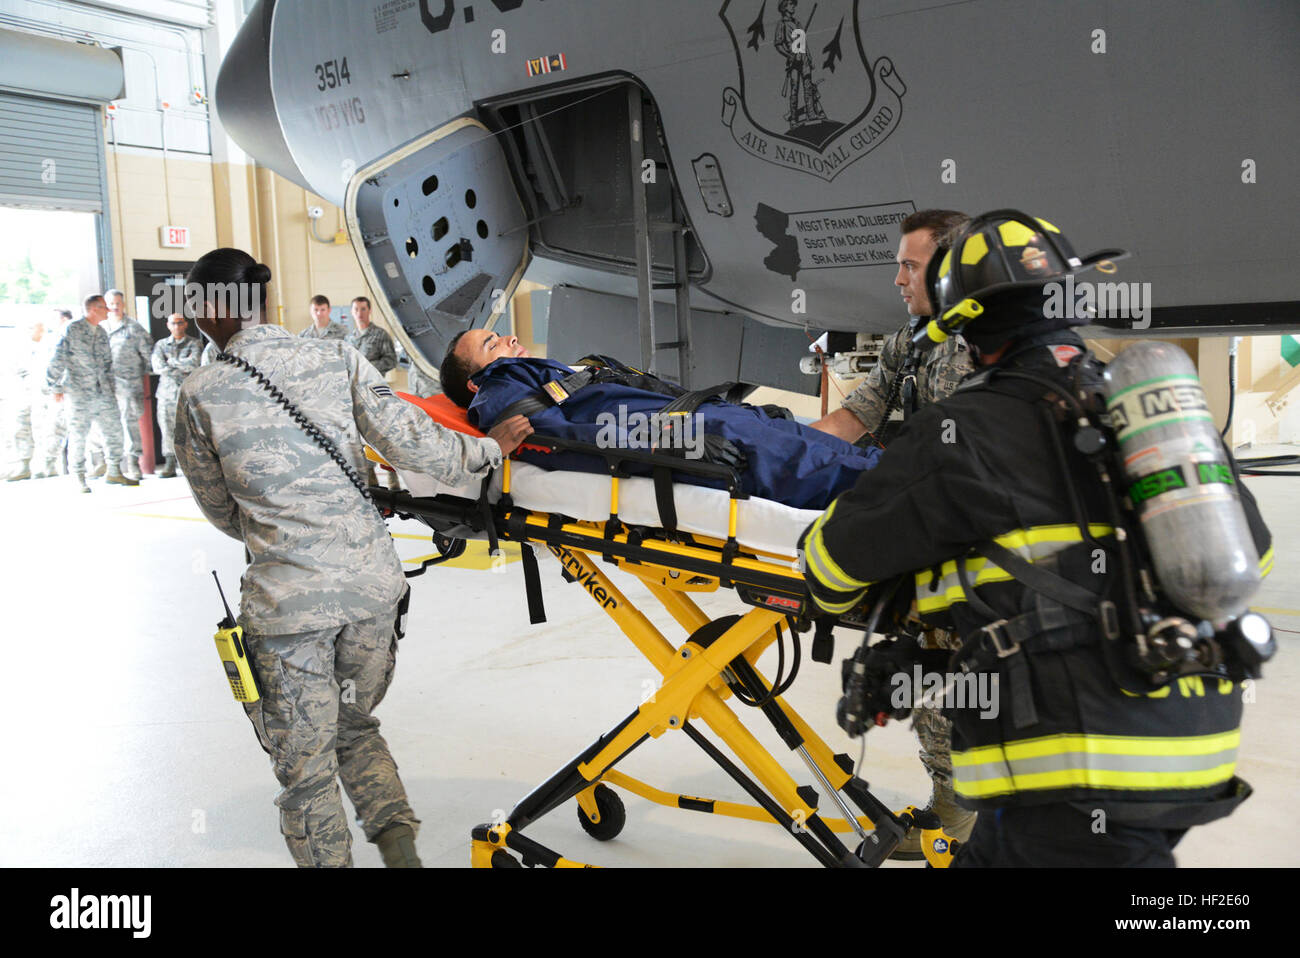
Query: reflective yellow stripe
{"x": 1266, "y": 563}
{"x": 1096, "y": 761}
{"x": 821, "y": 565}
{"x": 838, "y": 608}
{"x": 1100, "y": 745}
{"x": 1031, "y": 544}
{"x": 1095, "y": 778}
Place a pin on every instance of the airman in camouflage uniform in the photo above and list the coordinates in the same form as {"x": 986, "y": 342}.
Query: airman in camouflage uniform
{"x": 377, "y": 346}
{"x": 374, "y": 344}
{"x": 30, "y": 374}
{"x": 132, "y": 350}
{"x": 320, "y": 598}
{"x": 49, "y": 416}
{"x": 332, "y": 331}
{"x": 907, "y": 379}
{"x": 174, "y": 359}
{"x": 916, "y": 379}
{"x": 82, "y": 369}
{"x": 322, "y": 327}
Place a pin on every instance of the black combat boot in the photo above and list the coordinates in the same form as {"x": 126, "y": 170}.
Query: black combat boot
{"x": 397, "y": 846}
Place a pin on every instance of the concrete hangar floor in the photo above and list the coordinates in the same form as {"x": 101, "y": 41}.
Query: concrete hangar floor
{"x": 127, "y": 749}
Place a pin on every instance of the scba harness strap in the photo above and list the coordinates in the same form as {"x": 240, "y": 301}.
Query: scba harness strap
{"x": 1058, "y": 604}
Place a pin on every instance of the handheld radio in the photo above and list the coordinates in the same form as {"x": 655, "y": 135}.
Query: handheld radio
{"x": 234, "y": 654}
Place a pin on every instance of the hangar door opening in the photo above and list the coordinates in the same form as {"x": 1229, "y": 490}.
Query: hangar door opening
{"x": 49, "y": 260}
{"x": 54, "y": 241}
{"x": 53, "y": 159}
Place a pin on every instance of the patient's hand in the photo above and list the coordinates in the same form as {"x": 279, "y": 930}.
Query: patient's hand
{"x": 510, "y": 433}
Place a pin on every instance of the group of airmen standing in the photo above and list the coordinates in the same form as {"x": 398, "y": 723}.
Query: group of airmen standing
{"x": 92, "y": 374}
{"x": 83, "y": 386}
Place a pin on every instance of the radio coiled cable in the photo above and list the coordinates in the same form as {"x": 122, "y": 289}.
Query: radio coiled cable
{"x": 310, "y": 428}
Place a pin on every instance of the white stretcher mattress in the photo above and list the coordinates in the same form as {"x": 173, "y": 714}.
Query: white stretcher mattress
{"x": 760, "y": 523}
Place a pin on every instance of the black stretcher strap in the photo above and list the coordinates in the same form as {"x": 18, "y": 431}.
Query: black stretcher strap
{"x": 823, "y": 646}
{"x": 532, "y": 585}
{"x": 544, "y": 399}
{"x": 731, "y": 392}
{"x": 663, "y": 479}
{"x": 485, "y": 510}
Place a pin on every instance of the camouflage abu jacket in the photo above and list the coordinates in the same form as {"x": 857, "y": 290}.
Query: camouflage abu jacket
{"x": 321, "y": 553}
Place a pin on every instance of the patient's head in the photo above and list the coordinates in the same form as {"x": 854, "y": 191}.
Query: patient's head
{"x": 469, "y": 352}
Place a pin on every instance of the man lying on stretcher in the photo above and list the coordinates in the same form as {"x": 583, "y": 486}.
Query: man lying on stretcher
{"x": 610, "y": 405}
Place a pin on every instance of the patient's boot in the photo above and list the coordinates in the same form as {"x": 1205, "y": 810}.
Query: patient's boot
{"x": 394, "y": 484}
{"x": 397, "y": 846}
{"x": 371, "y": 480}
{"x": 957, "y": 823}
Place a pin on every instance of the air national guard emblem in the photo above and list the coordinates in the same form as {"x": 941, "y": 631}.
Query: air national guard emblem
{"x": 803, "y": 81}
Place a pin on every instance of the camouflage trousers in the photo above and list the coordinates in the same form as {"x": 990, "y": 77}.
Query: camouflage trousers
{"x": 132, "y": 407}
{"x": 314, "y": 720}
{"x": 49, "y": 430}
{"x": 933, "y": 730}
{"x": 22, "y": 430}
{"x": 101, "y": 409}
{"x": 167, "y": 418}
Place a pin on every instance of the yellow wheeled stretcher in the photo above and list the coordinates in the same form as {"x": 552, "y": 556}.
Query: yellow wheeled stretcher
{"x": 706, "y": 671}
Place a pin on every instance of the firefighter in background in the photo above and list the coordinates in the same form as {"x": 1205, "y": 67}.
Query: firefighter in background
{"x": 1082, "y": 759}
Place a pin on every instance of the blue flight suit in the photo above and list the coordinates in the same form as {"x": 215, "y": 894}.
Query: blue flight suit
{"x": 787, "y": 462}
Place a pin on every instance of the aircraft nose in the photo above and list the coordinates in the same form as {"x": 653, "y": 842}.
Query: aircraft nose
{"x": 243, "y": 98}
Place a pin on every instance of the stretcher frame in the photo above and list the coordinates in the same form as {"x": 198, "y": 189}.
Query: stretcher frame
{"x": 716, "y": 660}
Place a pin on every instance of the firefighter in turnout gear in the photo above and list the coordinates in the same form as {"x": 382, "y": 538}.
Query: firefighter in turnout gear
{"x": 1000, "y": 522}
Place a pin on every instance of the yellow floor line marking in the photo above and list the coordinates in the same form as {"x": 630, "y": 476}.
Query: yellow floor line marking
{"x": 1265, "y": 610}
{"x": 476, "y": 556}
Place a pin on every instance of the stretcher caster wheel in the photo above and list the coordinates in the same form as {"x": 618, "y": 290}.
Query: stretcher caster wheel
{"x": 612, "y": 815}
{"x": 503, "y": 859}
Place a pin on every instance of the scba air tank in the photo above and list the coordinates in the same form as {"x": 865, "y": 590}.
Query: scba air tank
{"x": 1181, "y": 483}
